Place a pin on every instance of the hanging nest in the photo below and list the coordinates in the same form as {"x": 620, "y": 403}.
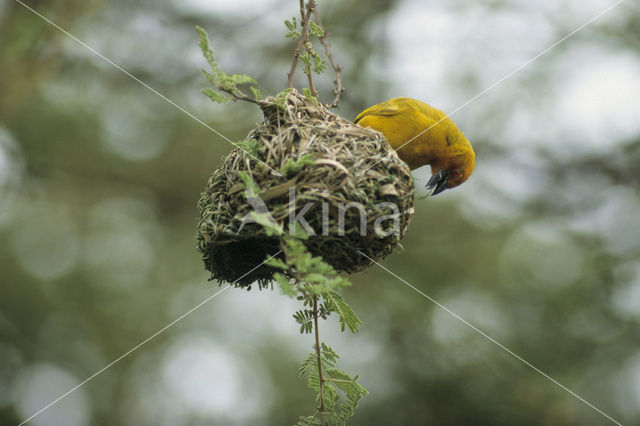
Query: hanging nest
{"x": 329, "y": 163}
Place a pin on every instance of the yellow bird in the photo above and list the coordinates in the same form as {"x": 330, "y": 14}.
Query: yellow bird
{"x": 422, "y": 135}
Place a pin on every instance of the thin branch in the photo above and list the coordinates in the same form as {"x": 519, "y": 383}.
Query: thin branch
{"x": 312, "y": 88}
{"x": 309, "y": 48}
{"x": 318, "y": 355}
{"x": 311, "y": 8}
{"x": 304, "y": 43}
{"x": 336, "y": 68}
{"x": 296, "y": 274}
{"x": 305, "y": 16}
{"x": 321, "y": 378}
{"x": 238, "y": 95}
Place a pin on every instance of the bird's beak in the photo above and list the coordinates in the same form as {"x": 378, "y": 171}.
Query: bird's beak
{"x": 438, "y": 182}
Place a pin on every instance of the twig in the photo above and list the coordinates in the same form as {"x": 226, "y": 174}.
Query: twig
{"x": 336, "y": 68}
{"x": 303, "y": 38}
{"x": 312, "y": 88}
{"x": 316, "y": 330}
{"x": 304, "y": 43}
{"x": 317, "y": 333}
{"x": 238, "y": 95}
{"x": 311, "y": 7}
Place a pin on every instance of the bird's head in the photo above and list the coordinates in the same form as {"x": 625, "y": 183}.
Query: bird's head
{"x": 454, "y": 166}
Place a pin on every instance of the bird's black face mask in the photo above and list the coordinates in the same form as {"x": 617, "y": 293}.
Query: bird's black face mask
{"x": 438, "y": 182}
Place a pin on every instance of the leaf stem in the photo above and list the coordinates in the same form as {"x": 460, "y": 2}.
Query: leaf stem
{"x": 339, "y": 381}
{"x": 313, "y": 418}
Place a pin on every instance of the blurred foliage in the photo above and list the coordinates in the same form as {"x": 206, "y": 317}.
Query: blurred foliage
{"x": 99, "y": 178}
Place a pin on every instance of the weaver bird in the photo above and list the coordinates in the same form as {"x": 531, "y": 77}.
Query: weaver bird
{"x": 422, "y": 135}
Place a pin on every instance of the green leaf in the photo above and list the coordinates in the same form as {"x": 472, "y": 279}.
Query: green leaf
{"x": 203, "y": 42}
{"x": 305, "y": 319}
{"x": 306, "y": 59}
{"x": 242, "y": 79}
{"x": 256, "y": 93}
{"x": 315, "y": 29}
{"x": 220, "y": 80}
{"x": 319, "y": 64}
{"x": 252, "y": 146}
{"x": 298, "y": 232}
{"x": 313, "y": 380}
{"x": 294, "y": 166}
{"x": 287, "y": 288}
{"x": 314, "y": 277}
{"x": 277, "y": 263}
{"x": 281, "y": 98}
{"x": 307, "y": 94}
{"x": 346, "y": 315}
{"x": 330, "y": 357}
{"x": 249, "y": 184}
{"x": 330, "y": 396}
{"x": 353, "y": 392}
{"x": 271, "y": 228}
{"x": 214, "y": 96}
{"x": 291, "y": 25}
{"x": 213, "y": 78}
{"x": 310, "y": 363}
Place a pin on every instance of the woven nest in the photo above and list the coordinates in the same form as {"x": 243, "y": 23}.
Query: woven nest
{"x": 350, "y": 164}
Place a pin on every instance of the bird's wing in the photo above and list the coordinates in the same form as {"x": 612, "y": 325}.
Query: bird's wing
{"x": 385, "y": 109}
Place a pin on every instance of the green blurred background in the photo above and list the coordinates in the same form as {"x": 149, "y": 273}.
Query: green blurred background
{"x": 540, "y": 249}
